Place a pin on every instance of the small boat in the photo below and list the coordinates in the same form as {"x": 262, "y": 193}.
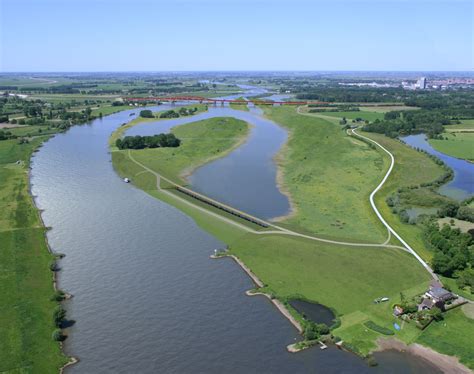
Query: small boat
{"x": 126, "y": 180}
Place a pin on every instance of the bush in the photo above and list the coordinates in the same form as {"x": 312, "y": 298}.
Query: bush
{"x": 53, "y": 266}
{"x": 465, "y": 213}
{"x": 383, "y": 330}
{"x": 58, "y": 296}
{"x": 58, "y": 335}
{"x": 59, "y": 315}
{"x": 146, "y": 114}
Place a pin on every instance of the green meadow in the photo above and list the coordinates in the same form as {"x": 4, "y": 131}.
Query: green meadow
{"x": 456, "y": 144}
{"x": 329, "y": 189}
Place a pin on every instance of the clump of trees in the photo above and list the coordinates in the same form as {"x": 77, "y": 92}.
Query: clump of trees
{"x": 169, "y": 114}
{"x": 454, "y": 210}
{"x": 314, "y": 330}
{"x": 4, "y": 135}
{"x": 154, "y": 141}
{"x": 397, "y": 123}
{"x": 453, "y": 250}
{"x": 146, "y": 113}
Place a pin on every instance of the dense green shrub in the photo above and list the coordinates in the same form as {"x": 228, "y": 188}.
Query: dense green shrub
{"x": 58, "y": 335}
{"x": 146, "y": 113}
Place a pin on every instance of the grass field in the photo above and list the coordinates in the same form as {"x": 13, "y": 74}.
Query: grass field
{"x": 467, "y": 124}
{"x": 26, "y": 345}
{"x": 330, "y": 190}
{"x": 453, "y": 336}
{"x": 459, "y": 144}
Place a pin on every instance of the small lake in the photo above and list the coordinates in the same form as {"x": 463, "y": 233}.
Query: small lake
{"x": 315, "y": 312}
{"x": 462, "y": 186}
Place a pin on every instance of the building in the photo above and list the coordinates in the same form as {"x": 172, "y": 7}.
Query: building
{"x": 421, "y": 83}
{"x": 435, "y": 296}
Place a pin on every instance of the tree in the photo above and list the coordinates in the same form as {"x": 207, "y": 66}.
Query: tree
{"x": 58, "y": 335}
{"x": 146, "y": 113}
{"x": 323, "y": 328}
{"x": 448, "y": 210}
{"x": 59, "y": 314}
{"x": 436, "y": 313}
{"x": 311, "y": 331}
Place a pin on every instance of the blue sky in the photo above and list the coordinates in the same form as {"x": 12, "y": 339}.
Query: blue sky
{"x": 175, "y": 35}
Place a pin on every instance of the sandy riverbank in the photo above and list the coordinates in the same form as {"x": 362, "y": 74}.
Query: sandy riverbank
{"x": 448, "y": 364}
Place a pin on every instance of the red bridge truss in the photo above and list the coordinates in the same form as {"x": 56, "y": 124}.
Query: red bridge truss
{"x": 215, "y": 101}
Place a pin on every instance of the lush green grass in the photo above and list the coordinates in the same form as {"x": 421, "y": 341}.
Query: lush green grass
{"x": 26, "y": 282}
{"x": 459, "y": 144}
{"x": 454, "y": 336}
{"x": 345, "y": 278}
{"x": 243, "y": 107}
{"x": 411, "y": 168}
{"x": 329, "y": 177}
{"x": 327, "y": 273}
{"x": 467, "y": 124}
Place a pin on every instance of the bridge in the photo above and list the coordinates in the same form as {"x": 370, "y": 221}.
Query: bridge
{"x": 205, "y": 100}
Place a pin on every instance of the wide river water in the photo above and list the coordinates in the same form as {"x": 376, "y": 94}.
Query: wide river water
{"x": 147, "y": 298}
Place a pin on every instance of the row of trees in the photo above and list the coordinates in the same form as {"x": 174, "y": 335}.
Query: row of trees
{"x": 154, "y": 141}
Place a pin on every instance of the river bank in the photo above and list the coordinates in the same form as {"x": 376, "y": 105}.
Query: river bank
{"x": 26, "y": 257}
{"x": 448, "y": 364}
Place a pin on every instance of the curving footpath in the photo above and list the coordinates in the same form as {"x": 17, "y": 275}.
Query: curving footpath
{"x": 374, "y": 207}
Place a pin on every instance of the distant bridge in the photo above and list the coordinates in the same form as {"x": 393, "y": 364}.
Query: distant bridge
{"x": 205, "y": 100}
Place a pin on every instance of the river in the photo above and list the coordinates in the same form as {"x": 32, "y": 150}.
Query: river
{"x": 147, "y": 299}
{"x": 462, "y": 185}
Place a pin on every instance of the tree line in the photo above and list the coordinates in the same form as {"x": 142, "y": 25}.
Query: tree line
{"x": 153, "y": 141}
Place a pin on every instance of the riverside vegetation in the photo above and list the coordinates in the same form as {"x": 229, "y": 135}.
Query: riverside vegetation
{"x": 293, "y": 267}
